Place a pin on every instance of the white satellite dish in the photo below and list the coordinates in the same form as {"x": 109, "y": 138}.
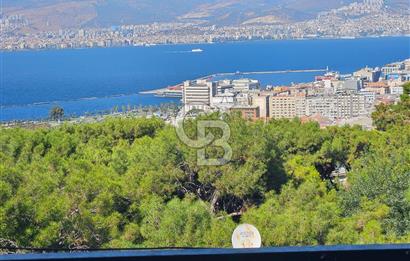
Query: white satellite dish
{"x": 246, "y": 236}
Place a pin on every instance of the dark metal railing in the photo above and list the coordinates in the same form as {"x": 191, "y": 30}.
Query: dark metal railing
{"x": 322, "y": 253}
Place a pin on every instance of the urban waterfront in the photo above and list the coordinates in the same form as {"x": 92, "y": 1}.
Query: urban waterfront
{"x": 93, "y": 80}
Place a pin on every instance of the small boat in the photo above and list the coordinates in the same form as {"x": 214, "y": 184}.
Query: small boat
{"x": 197, "y": 50}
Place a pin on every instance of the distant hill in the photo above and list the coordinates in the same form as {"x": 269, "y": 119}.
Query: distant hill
{"x": 55, "y": 14}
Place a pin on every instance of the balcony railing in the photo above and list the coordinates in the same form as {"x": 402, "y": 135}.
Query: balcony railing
{"x": 320, "y": 253}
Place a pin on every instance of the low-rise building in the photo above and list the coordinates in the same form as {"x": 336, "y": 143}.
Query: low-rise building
{"x": 244, "y": 85}
{"x": 247, "y": 112}
{"x": 379, "y": 88}
{"x": 242, "y": 98}
{"x": 393, "y": 68}
{"x": 407, "y": 65}
{"x": 368, "y": 74}
{"x": 350, "y": 85}
{"x": 223, "y": 101}
{"x": 224, "y": 86}
{"x": 396, "y": 90}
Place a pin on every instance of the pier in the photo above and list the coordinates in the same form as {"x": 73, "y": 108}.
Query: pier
{"x": 166, "y": 92}
{"x": 263, "y": 72}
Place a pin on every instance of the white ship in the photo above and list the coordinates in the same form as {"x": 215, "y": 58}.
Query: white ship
{"x": 197, "y": 50}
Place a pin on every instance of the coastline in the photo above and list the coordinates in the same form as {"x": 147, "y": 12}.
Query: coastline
{"x": 154, "y": 91}
{"x": 207, "y": 43}
{"x": 167, "y": 92}
{"x": 133, "y": 70}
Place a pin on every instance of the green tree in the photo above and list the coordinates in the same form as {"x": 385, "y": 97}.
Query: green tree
{"x": 132, "y": 183}
{"x": 56, "y": 113}
{"x": 386, "y": 116}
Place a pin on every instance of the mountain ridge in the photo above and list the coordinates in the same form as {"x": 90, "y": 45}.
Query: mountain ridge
{"x": 60, "y": 14}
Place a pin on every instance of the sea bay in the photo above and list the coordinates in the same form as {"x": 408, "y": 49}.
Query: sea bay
{"x": 90, "y": 80}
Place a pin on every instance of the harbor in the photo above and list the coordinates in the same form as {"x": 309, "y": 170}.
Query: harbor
{"x": 175, "y": 91}
{"x": 109, "y": 77}
{"x": 266, "y": 72}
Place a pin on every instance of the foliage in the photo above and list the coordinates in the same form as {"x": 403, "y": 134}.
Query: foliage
{"x": 386, "y": 116}
{"x": 133, "y": 183}
{"x": 56, "y": 113}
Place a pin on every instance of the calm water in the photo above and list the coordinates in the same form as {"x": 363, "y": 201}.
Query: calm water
{"x": 92, "y": 80}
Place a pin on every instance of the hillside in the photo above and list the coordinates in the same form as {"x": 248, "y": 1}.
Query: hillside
{"x": 55, "y": 14}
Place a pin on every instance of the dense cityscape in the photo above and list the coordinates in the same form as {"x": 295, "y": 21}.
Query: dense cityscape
{"x": 331, "y": 99}
{"x": 367, "y": 19}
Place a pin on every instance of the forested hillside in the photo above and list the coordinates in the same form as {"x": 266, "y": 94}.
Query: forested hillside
{"x": 133, "y": 183}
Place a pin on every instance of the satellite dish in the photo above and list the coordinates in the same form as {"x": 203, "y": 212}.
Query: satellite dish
{"x": 246, "y": 236}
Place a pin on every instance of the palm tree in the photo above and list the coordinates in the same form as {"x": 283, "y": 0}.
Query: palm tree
{"x": 56, "y": 113}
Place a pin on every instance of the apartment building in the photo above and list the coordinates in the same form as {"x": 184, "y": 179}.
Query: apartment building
{"x": 368, "y": 74}
{"x": 341, "y": 105}
{"x": 396, "y": 90}
{"x": 223, "y": 101}
{"x": 379, "y": 88}
{"x": 393, "y": 68}
{"x": 286, "y": 106}
{"x": 224, "y": 86}
{"x": 261, "y": 100}
{"x": 369, "y": 97}
{"x": 245, "y": 85}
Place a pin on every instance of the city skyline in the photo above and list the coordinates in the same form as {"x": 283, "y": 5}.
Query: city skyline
{"x": 369, "y": 18}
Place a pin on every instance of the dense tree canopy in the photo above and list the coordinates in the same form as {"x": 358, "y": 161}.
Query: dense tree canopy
{"x": 387, "y": 116}
{"x": 56, "y": 113}
{"x": 133, "y": 183}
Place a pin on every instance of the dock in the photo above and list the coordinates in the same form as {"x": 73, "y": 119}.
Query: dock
{"x": 166, "y": 92}
{"x": 263, "y": 72}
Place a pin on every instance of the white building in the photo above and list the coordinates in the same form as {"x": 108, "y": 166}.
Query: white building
{"x": 242, "y": 99}
{"x": 198, "y": 95}
{"x": 393, "y": 68}
{"x": 368, "y": 74}
{"x": 224, "y": 86}
{"x": 397, "y": 90}
{"x": 369, "y": 97}
{"x": 223, "y": 101}
{"x": 244, "y": 85}
{"x": 338, "y": 106}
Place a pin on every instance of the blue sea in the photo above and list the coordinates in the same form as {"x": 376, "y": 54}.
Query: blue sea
{"x": 96, "y": 80}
